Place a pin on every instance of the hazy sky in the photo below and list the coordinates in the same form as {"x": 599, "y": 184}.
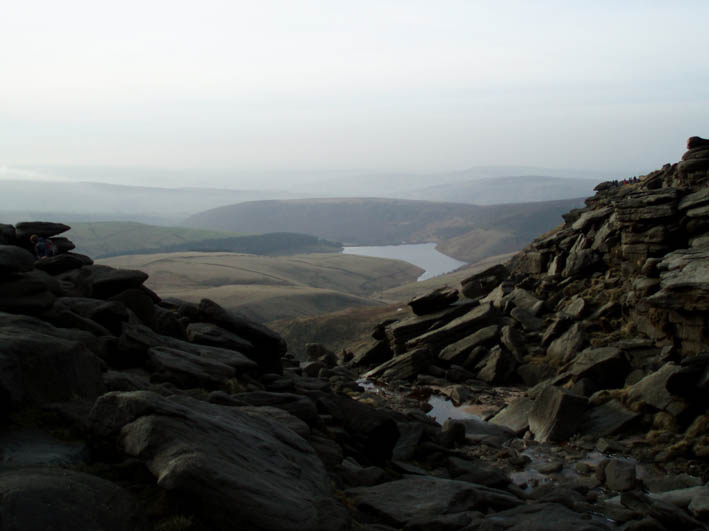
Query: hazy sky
{"x": 381, "y": 85}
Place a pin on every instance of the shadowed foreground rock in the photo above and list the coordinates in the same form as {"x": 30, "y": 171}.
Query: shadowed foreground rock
{"x": 242, "y": 469}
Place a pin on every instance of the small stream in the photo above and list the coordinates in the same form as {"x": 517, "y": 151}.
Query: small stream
{"x": 546, "y": 462}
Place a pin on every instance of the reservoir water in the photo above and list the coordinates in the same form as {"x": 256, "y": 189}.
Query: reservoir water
{"x": 423, "y": 255}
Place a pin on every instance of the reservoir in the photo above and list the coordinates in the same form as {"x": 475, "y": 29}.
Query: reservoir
{"x": 423, "y": 255}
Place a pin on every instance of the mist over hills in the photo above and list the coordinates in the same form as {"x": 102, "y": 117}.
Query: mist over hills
{"x": 25, "y": 198}
{"x": 504, "y": 190}
{"x": 106, "y": 202}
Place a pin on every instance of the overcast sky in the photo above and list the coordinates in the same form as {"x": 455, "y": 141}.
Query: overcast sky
{"x": 380, "y": 85}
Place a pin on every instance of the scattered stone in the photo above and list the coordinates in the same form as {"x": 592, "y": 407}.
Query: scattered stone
{"x": 515, "y": 415}
{"x": 434, "y": 301}
{"x": 556, "y": 414}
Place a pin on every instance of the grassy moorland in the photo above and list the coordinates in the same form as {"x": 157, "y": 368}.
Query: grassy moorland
{"x": 113, "y": 238}
{"x": 267, "y": 287}
{"x": 466, "y": 232}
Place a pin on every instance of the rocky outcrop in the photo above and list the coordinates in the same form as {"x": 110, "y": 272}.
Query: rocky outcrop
{"x": 604, "y": 318}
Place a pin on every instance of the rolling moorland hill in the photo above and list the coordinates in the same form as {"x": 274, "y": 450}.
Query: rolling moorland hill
{"x": 267, "y": 287}
{"x": 113, "y": 238}
{"x": 378, "y": 221}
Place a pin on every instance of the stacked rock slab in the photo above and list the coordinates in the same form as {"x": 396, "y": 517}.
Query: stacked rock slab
{"x": 606, "y": 307}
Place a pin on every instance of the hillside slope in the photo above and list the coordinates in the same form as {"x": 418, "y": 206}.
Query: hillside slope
{"x": 113, "y": 238}
{"x": 377, "y": 221}
{"x": 267, "y": 287}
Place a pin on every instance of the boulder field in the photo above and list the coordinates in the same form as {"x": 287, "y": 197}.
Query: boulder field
{"x": 121, "y": 410}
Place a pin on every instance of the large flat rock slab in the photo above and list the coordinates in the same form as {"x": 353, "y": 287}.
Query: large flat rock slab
{"x": 44, "y": 498}
{"x": 399, "y": 502}
{"x": 242, "y": 470}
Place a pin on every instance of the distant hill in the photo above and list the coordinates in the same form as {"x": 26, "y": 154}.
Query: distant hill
{"x": 105, "y": 202}
{"x": 503, "y": 190}
{"x": 268, "y": 288}
{"x": 378, "y": 221}
{"x": 104, "y": 239}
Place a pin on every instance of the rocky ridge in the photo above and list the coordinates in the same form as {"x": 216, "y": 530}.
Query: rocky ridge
{"x": 125, "y": 411}
{"x": 602, "y": 322}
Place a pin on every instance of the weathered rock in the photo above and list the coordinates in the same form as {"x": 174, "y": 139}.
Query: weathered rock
{"x": 497, "y": 296}
{"x": 497, "y": 366}
{"x": 455, "y": 329}
{"x": 373, "y": 432}
{"x": 606, "y": 367}
{"x": 591, "y": 217}
{"x": 188, "y": 370}
{"x": 515, "y": 416}
{"x": 7, "y": 234}
{"x": 514, "y": 341}
{"x": 60, "y": 263}
{"x": 434, "y": 301}
{"x": 477, "y": 430}
{"x": 699, "y": 506}
{"x": 216, "y": 336}
{"x": 137, "y": 339}
{"x": 269, "y": 345}
{"x": 299, "y": 406}
{"x": 620, "y": 475}
{"x": 523, "y": 299}
{"x": 399, "y": 502}
{"x": 410, "y": 435}
{"x": 38, "y": 365}
{"x": 530, "y": 262}
{"x": 25, "y": 293}
{"x": 214, "y": 454}
{"x": 528, "y": 321}
{"x": 45, "y": 229}
{"x": 607, "y": 419}
{"x": 371, "y": 352}
{"x": 542, "y": 517}
{"x": 694, "y": 142}
{"x": 475, "y": 471}
{"x": 403, "y": 366}
{"x": 581, "y": 262}
{"x": 556, "y": 414}
{"x": 652, "y": 390}
{"x": 355, "y": 475}
{"x": 109, "y": 315}
{"x": 400, "y": 332}
{"x": 458, "y": 351}
{"x": 15, "y": 259}
{"x": 565, "y": 347}
{"x": 59, "y": 499}
{"x": 482, "y": 283}
{"x": 667, "y": 514}
{"x": 684, "y": 281}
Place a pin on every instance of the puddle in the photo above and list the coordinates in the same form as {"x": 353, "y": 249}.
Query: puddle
{"x": 439, "y": 407}
{"x": 443, "y": 408}
{"x": 23, "y": 447}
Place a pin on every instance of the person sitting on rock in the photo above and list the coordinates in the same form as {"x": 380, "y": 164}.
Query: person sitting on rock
{"x": 43, "y": 248}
